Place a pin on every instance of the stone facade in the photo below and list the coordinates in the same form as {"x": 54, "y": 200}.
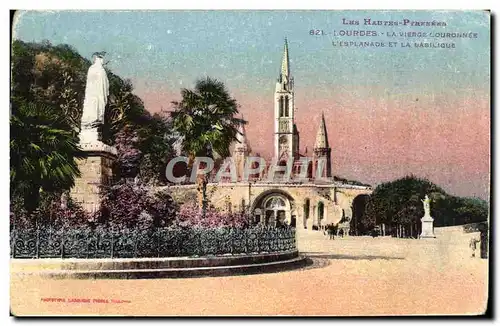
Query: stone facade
{"x": 305, "y": 205}
{"x": 96, "y": 170}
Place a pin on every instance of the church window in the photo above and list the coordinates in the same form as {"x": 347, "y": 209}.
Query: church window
{"x": 287, "y": 100}
{"x": 321, "y": 210}
{"x": 306, "y": 211}
{"x": 275, "y": 202}
{"x": 310, "y": 170}
{"x": 281, "y": 106}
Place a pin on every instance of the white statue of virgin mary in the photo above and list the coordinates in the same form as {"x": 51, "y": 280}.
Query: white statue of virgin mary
{"x": 96, "y": 94}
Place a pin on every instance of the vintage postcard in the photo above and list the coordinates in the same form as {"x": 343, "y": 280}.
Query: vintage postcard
{"x": 250, "y": 163}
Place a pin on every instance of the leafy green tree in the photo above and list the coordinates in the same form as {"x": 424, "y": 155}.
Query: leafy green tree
{"x": 42, "y": 151}
{"x": 124, "y": 108}
{"x": 55, "y": 76}
{"x": 156, "y": 144}
{"x": 398, "y": 204}
{"x": 22, "y": 63}
{"x": 206, "y": 120}
{"x": 470, "y": 210}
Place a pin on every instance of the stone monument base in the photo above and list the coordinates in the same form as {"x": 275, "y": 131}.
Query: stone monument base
{"x": 96, "y": 170}
{"x": 427, "y": 227}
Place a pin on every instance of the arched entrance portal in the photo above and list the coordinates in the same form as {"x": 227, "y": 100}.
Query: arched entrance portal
{"x": 275, "y": 211}
{"x": 273, "y": 208}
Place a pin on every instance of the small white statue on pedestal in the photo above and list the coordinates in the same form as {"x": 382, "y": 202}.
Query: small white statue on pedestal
{"x": 427, "y": 220}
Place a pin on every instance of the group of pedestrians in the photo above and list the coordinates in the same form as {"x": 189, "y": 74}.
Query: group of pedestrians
{"x": 331, "y": 230}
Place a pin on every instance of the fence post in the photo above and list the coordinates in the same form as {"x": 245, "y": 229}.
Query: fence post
{"x": 88, "y": 243}
{"x": 257, "y": 236}
{"x": 157, "y": 241}
{"x": 112, "y": 241}
{"x": 232, "y": 233}
{"x": 294, "y": 239}
{"x": 37, "y": 230}
{"x": 135, "y": 242}
{"x": 62, "y": 242}
{"x": 245, "y": 236}
{"x": 13, "y": 237}
{"x": 201, "y": 252}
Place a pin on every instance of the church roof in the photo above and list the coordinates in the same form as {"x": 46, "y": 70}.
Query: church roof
{"x": 322, "y": 136}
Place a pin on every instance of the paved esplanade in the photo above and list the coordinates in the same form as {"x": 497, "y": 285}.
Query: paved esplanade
{"x": 350, "y": 276}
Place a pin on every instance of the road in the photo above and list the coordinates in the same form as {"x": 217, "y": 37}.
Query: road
{"x": 354, "y": 276}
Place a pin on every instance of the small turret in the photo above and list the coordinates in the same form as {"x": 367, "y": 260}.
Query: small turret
{"x": 321, "y": 136}
{"x": 322, "y": 151}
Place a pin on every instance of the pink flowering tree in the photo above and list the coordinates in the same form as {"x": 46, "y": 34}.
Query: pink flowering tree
{"x": 129, "y": 156}
{"x": 55, "y": 211}
{"x": 130, "y": 205}
{"x": 191, "y": 215}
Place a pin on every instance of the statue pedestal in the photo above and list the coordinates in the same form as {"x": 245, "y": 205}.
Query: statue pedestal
{"x": 427, "y": 227}
{"x": 96, "y": 170}
{"x": 96, "y": 166}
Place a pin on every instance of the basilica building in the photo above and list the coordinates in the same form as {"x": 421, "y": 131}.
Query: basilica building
{"x": 309, "y": 202}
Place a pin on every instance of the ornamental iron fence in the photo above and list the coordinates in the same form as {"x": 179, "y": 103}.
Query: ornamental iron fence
{"x": 49, "y": 242}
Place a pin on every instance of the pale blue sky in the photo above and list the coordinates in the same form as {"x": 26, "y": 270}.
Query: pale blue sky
{"x": 389, "y": 111}
{"x": 243, "y": 47}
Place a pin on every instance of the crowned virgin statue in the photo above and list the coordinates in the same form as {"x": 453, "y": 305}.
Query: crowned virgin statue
{"x": 96, "y": 94}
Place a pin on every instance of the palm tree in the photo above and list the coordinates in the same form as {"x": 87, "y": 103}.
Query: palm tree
{"x": 205, "y": 119}
{"x": 43, "y": 149}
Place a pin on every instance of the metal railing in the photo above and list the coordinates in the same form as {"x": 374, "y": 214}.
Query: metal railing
{"x": 48, "y": 242}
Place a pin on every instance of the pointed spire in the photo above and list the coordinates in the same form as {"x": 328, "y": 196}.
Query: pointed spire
{"x": 322, "y": 136}
{"x": 285, "y": 64}
{"x": 241, "y": 136}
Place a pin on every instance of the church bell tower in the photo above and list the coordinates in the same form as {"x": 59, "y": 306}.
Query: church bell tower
{"x": 285, "y": 140}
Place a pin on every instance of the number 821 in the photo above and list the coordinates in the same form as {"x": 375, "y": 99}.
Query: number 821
{"x": 316, "y": 32}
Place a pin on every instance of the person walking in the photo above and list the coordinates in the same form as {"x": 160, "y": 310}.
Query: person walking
{"x": 473, "y": 245}
{"x": 331, "y": 232}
